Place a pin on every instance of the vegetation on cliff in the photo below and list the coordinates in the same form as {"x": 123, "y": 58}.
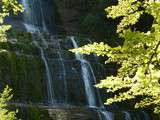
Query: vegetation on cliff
{"x": 138, "y": 77}
{"x": 5, "y": 114}
{"x": 7, "y": 6}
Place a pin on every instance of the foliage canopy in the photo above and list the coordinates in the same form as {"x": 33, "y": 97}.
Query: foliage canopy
{"x": 139, "y": 56}
{"x": 7, "y": 7}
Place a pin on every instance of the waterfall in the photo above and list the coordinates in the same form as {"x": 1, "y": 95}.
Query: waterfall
{"x": 31, "y": 22}
{"x": 90, "y": 93}
{"x": 49, "y": 79}
{"x": 50, "y": 91}
{"x": 127, "y": 115}
{"x": 146, "y": 116}
{"x": 38, "y": 17}
{"x": 94, "y": 79}
{"x": 34, "y": 18}
{"x": 87, "y": 74}
{"x": 29, "y": 16}
{"x": 105, "y": 115}
{"x": 63, "y": 68}
{"x": 35, "y": 22}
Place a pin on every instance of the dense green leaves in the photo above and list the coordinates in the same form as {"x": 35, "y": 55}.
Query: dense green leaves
{"x": 139, "y": 56}
{"x": 11, "y": 5}
{"x": 128, "y": 9}
{"x": 7, "y": 6}
{"x": 5, "y": 114}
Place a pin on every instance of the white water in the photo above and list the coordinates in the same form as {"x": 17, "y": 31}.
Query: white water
{"x": 30, "y": 16}
{"x": 94, "y": 79}
{"x": 32, "y": 28}
{"x": 27, "y": 16}
{"x": 90, "y": 93}
{"x": 127, "y": 115}
{"x": 105, "y": 115}
{"x": 50, "y": 92}
{"x": 87, "y": 72}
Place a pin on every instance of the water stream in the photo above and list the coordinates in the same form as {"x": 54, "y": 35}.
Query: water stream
{"x": 127, "y": 115}
{"x": 31, "y": 24}
{"x": 63, "y": 76}
{"x": 90, "y": 93}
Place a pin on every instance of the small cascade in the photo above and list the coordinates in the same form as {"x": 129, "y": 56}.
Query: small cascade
{"x": 36, "y": 16}
{"x": 97, "y": 91}
{"x": 127, "y": 115}
{"x": 105, "y": 115}
{"x": 146, "y": 116}
{"x": 63, "y": 77}
{"x": 90, "y": 93}
{"x": 100, "y": 115}
{"x": 42, "y": 16}
{"x": 88, "y": 75}
{"x": 34, "y": 25}
{"x": 50, "y": 90}
{"x": 29, "y": 16}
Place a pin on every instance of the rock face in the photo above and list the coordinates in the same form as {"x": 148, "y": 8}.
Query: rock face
{"x": 73, "y": 114}
{"x": 67, "y": 16}
{"x": 59, "y": 113}
{"x": 24, "y": 70}
{"x": 72, "y": 13}
{"x": 21, "y": 68}
{"x": 80, "y": 113}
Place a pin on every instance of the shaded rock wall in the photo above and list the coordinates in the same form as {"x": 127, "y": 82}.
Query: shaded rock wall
{"x": 22, "y": 68}
{"x": 71, "y": 13}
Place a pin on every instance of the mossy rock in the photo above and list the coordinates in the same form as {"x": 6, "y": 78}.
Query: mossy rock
{"x": 23, "y": 74}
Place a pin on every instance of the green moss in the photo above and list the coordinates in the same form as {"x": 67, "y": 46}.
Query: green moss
{"x": 24, "y": 74}
{"x": 21, "y": 67}
{"x": 21, "y": 36}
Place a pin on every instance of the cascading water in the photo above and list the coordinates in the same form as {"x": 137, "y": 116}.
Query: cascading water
{"x": 105, "y": 115}
{"x": 32, "y": 24}
{"x": 87, "y": 74}
{"x": 90, "y": 93}
{"x": 50, "y": 91}
{"x": 36, "y": 15}
{"x": 51, "y": 97}
{"x": 63, "y": 68}
{"x": 30, "y": 17}
{"x": 127, "y": 115}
